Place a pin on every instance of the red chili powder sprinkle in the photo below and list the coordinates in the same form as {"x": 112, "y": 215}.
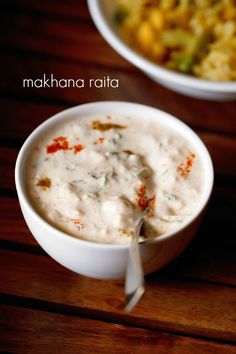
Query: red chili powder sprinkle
{"x": 185, "y": 167}
{"x": 142, "y": 200}
{"x": 77, "y": 222}
{"x": 142, "y": 191}
{"x": 141, "y": 203}
{"x": 60, "y": 143}
{"x": 44, "y": 183}
{"x": 77, "y": 148}
{"x": 60, "y": 139}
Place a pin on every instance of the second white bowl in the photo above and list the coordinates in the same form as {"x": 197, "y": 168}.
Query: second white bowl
{"x": 102, "y": 12}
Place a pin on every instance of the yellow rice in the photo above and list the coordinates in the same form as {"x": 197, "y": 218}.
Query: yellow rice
{"x": 196, "y": 37}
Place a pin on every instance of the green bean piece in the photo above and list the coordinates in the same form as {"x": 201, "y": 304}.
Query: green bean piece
{"x": 185, "y": 3}
{"x": 120, "y": 15}
{"x": 185, "y": 62}
{"x": 200, "y": 43}
{"x": 196, "y": 49}
{"x": 174, "y": 38}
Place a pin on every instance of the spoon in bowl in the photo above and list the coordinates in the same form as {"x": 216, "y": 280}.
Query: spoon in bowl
{"x": 134, "y": 278}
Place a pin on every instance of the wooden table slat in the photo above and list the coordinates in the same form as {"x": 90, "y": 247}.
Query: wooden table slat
{"x": 133, "y": 86}
{"x": 221, "y": 163}
{"x": 43, "y": 35}
{"x": 30, "y": 328}
{"x": 174, "y": 305}
{"x": 21, "y": 119}
{"x": 208, "y": 258}
{"x": 68, "y": 10}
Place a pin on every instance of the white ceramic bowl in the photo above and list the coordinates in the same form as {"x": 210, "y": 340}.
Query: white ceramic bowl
{"x": 105, "y": 260}
{"x": 102, "y": 12}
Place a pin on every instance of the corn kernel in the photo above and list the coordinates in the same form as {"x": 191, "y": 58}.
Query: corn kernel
{"x": 157, "y": 19}
{"x": 145, "y": 35}
{"x": 229, "y": 12}
{"x": 179, "y": 17}
{"x": 167, "y": 4}
{"x": 158, "y": 51}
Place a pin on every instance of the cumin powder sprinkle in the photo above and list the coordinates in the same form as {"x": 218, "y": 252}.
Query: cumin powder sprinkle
{"x": 44, "y": 183}
{"x": 106, "y": 126}
{"x": 99, "y": 141}
{"x": 126, "y": 232}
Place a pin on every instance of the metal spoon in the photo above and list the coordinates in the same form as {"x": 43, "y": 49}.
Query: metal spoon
{"x": 134, "y": 279}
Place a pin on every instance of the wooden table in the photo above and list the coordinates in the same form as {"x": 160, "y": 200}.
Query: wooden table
{"x": 189, "y": 306}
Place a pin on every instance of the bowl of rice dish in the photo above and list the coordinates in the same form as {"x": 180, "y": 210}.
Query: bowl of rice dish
{"x": 188, "y": 46}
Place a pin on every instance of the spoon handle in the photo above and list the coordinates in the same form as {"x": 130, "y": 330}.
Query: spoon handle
{"x": 134, "y": 279}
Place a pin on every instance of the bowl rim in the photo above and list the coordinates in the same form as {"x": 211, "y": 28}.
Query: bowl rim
{"x": 115, "y": 41}
{"x": 22, "y": 156}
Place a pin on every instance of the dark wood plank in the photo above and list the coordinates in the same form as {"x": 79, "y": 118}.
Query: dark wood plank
{"x": 134, "y": 86}
{"x": 71, "y": 10}
{"x": 44, "y": 35}
{"x": 222, "y": 149}
{"x": 36, "y": 331}
{"x": 172, "y": 304}
{"x": 7, "y": 167}
{"x": 80, "y": 41}
{"x": 208, "y": 258}
{"x": 24, "y": 66}
{"x": 12, "y": 225}
{"x": 219, "y": 207}
{"x": 21, "y": 117}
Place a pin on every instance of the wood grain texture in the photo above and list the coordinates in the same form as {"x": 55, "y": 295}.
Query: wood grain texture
{"x": 190, "y": 305}
{"x": 170, "y": 304}
{"x": 222, "y": 164}
{"x": 215, "y": 116}
{"x": 7, "y": 167}
{"x": 71, "y": 10}
{"x": 35, "y": 331}
{"x": 21, "y": 118}
{"x": 12, "y": 225}
{"x": 42, "y": 37}
{"x": 207, "y": 258}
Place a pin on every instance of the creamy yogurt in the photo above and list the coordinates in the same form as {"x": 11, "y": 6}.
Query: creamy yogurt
{"x": 93, "y": 177}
